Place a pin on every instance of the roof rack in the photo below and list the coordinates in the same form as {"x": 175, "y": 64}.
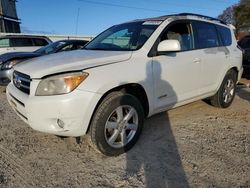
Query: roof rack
{"x": 202, "y": 16}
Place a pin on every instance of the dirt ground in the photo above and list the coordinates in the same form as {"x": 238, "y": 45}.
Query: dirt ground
{"x": 196, "y": 145}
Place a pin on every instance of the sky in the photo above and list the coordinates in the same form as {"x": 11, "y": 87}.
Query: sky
{"x": 90, "y": 17}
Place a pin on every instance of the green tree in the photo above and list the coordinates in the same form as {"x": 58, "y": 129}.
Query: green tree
{"x": 242, "y": 15}
{"x": 238, "y": 15}
{"x": 228, "y": 15}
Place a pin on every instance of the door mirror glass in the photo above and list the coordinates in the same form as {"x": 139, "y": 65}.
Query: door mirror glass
{"x": 169, "y": 46}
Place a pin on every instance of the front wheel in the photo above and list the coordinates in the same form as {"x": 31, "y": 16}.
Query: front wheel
{"x": 117, "y": 123}
{"x": 225, "y": 95}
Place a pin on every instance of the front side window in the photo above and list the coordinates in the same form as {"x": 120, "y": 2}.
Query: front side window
{"x": 182, "y": 33}
{"x": 206, "y": 35}
{"x": 124, "y": 37}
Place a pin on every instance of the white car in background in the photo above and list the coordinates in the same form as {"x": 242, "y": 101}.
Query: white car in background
{"x": 21, "y": 43}
{"x": 130, "y": 71}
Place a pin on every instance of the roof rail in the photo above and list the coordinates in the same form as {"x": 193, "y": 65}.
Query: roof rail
{"x": 202, "y": 16}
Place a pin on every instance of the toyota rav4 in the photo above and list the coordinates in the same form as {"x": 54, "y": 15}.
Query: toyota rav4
{"x": 130, "y": 71}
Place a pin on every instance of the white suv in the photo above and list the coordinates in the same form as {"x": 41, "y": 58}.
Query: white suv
{"x": 128, "y": 72}
{"x": 21, "y": 43}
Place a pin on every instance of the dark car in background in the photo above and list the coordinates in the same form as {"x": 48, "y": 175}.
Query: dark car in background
{"x": 8, "y": 60}
{"x": 244, "y": 43}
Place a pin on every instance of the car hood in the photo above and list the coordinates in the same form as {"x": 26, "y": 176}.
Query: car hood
{"x": 11, "y": 55}
{"x": 70, "y": 61}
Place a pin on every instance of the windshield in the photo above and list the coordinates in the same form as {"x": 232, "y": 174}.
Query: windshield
{"x": 50, "y": 48}
{"x": 124, "y": 37}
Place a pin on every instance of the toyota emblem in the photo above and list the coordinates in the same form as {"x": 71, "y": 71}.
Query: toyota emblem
{"x": 17, "y": 81}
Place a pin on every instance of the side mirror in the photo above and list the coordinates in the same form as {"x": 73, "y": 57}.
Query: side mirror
{"x": 169, "y": 46}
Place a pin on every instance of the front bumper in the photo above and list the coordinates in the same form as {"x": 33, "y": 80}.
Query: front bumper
{"x": 43, "y": 112}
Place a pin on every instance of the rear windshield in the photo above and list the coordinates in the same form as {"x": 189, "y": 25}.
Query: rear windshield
{"x": 124, "y": 37}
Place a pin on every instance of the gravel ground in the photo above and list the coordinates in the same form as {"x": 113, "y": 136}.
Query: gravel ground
{"x": 196, "y": 145}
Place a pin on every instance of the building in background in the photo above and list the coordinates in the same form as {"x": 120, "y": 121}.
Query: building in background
{"x": 9, "y": 22}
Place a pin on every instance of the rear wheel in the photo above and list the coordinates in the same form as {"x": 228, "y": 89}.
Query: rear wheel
{"x": 117, "y": 123}
{"x": 225, "y": 95}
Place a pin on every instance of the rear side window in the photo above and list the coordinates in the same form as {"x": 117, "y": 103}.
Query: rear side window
{"x": 40, "y": 42}
{"x": 206, "y": 35}
{"x": 4, "y": 43}
{"x": 225, "y": 35}
{"x": 19, "y": 42}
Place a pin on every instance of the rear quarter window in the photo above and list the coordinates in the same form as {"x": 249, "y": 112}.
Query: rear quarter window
{"x": 225, "y": 35}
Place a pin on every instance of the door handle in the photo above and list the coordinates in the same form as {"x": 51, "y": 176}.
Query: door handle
{"x": 197, "y": 60}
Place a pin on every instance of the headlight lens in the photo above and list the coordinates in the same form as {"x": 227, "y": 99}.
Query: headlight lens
{"x": 10, "y": 64}
{"x": 60, "y": 84}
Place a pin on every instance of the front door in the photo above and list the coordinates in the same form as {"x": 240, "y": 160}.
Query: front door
{"x": 176, "y": 74}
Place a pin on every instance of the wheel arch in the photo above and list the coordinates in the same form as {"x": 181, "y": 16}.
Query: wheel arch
{"x": 234, "y": 69}
{"x": 134, "y": 89}
{"x": 217, "y": 99}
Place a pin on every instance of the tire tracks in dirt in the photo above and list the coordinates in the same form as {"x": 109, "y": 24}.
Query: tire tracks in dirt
{"x": 12, "y": 172}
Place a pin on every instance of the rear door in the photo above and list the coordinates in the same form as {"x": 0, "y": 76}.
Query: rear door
{"x": 213, "y": 55}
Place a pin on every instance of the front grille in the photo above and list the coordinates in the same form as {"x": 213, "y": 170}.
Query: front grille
{"x": 22, "y": 82}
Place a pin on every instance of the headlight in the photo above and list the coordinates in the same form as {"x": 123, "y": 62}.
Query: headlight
{"x": 60, "y": 84}
{"x": 10, "y": 64}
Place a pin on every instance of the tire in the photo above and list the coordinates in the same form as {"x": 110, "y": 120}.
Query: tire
{"x": 225, "y": 95}
{"x": 117, "y": 124}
